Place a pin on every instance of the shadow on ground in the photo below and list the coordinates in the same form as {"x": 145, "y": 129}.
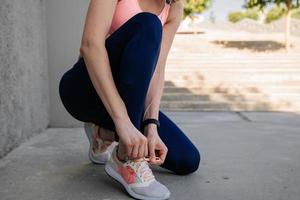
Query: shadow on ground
{"x": 256, "y": 46}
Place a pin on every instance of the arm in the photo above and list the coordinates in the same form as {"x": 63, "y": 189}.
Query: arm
{"x": 132, "y": 141}
{"x": 95, "y": 56}
{"x": 156, "y": 86}
{"x": 155, "y": 90}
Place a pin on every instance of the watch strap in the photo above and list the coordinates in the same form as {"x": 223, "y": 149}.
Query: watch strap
{"x": 149, "y": 121}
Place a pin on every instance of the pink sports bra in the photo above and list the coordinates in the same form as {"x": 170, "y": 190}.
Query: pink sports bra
{"x": 125, "y": 9}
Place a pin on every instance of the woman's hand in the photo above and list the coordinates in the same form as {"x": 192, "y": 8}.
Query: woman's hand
{"x": 155, "y": 144}
{"x": 135, "y": 143}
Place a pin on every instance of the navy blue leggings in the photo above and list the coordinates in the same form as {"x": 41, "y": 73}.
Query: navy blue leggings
{"x": 133, "y": 51}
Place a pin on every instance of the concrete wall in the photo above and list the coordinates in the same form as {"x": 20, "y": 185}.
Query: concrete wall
{"x": 24, "y": 94}
{"x": 65, "y": 21}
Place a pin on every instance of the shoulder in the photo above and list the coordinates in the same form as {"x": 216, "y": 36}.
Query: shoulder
{"x": 175, "y": 11}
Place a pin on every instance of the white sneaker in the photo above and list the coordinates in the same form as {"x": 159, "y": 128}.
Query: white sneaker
{"x": 137, "y": 178}
{"x": 104, "y": 149}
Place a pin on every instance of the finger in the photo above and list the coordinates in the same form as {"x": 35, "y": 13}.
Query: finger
{"x": 163, "y": 155}
{"x": 156, "y": 160}
{"x": 127, "y": 148}
{"x": 135, "y": 151}
{"x": 141, "y": 150}
{"x": 152, "y": 152}
{"x": 146, "y": 149}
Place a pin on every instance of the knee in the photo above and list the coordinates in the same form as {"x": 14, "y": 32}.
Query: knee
{"x": 150, "y": 24}
{"x": 189, "y": 162}
{"x": 61, "y": 86}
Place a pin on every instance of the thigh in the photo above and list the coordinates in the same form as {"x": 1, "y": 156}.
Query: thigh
{"x": 76, "y": 89}
{"x": 183, "y": 157}
{"x": 78, "y": 95}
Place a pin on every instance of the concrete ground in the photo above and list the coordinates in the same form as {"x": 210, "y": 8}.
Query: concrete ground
{"x": 245, "y": 156}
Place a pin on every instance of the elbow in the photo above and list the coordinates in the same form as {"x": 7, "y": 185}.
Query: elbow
{"x": 90, "y": 45}
{"x": 82, "y": 50}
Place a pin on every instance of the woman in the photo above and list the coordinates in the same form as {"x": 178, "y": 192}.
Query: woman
{"x": 115, "y": 88}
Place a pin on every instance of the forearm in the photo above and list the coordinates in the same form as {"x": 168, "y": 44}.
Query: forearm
{"x": 98, "y": 67}
{"x": 155, "y": 92}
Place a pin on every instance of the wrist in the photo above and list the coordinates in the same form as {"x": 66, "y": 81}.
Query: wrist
{"x": 121, "y": 119}
{"x": 120, "y": 115}
{"x": 151, "y": 126}
{"x": 151, "y": 114}
{"x": 150, "y": 130}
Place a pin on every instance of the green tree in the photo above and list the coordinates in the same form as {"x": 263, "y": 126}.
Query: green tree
{"x": 278, "y": 12}
{"x": 195, "y": 6}
{"x": 236, "y": 16}
{"x": 289, "y": 4}
{"x": 275, "y": 13}
{"x": 240, "y": 15}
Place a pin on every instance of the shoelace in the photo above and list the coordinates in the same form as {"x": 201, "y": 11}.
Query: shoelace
{"x": 142, "y": 167}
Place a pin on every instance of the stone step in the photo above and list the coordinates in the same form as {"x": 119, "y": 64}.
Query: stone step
{"x": 271, "y": 69}
{"x": 193, "y": 105}
{"x": 232, "y": 57}
{"x": 219, "y": 106}
{"x": 234, "y": 77}
{"x": 233, "y": 89}
{"x": 190, "y": 83}
{"x": 245, "y": 69}
{"x": 175, "y": 50}
{"x": 230, "y": 61}
{"x": 245, "y": 97}
{"x": 211, "y": 72}
{"x": 196, "y": 79}
{"x": 229, "y": 55}
{"x": 232, "y": 109}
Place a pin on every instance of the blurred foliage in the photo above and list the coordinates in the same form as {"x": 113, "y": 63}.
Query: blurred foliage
{"x": 296, "y": 13}
{"x": 240, "y": 15}
{"x": 263, "y": 3}
{"x": 275, "y": 13}
{"x": 289, "y": 6}
{"x": 195, "y": 6}
{"x": 236, "y": 16}
{"x": 278, "y": 12}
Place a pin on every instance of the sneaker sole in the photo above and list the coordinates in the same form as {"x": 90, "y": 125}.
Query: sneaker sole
{"x": 113, "y": 174}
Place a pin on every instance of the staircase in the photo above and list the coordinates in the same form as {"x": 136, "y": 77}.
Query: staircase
{"x": 230, "y": 80}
